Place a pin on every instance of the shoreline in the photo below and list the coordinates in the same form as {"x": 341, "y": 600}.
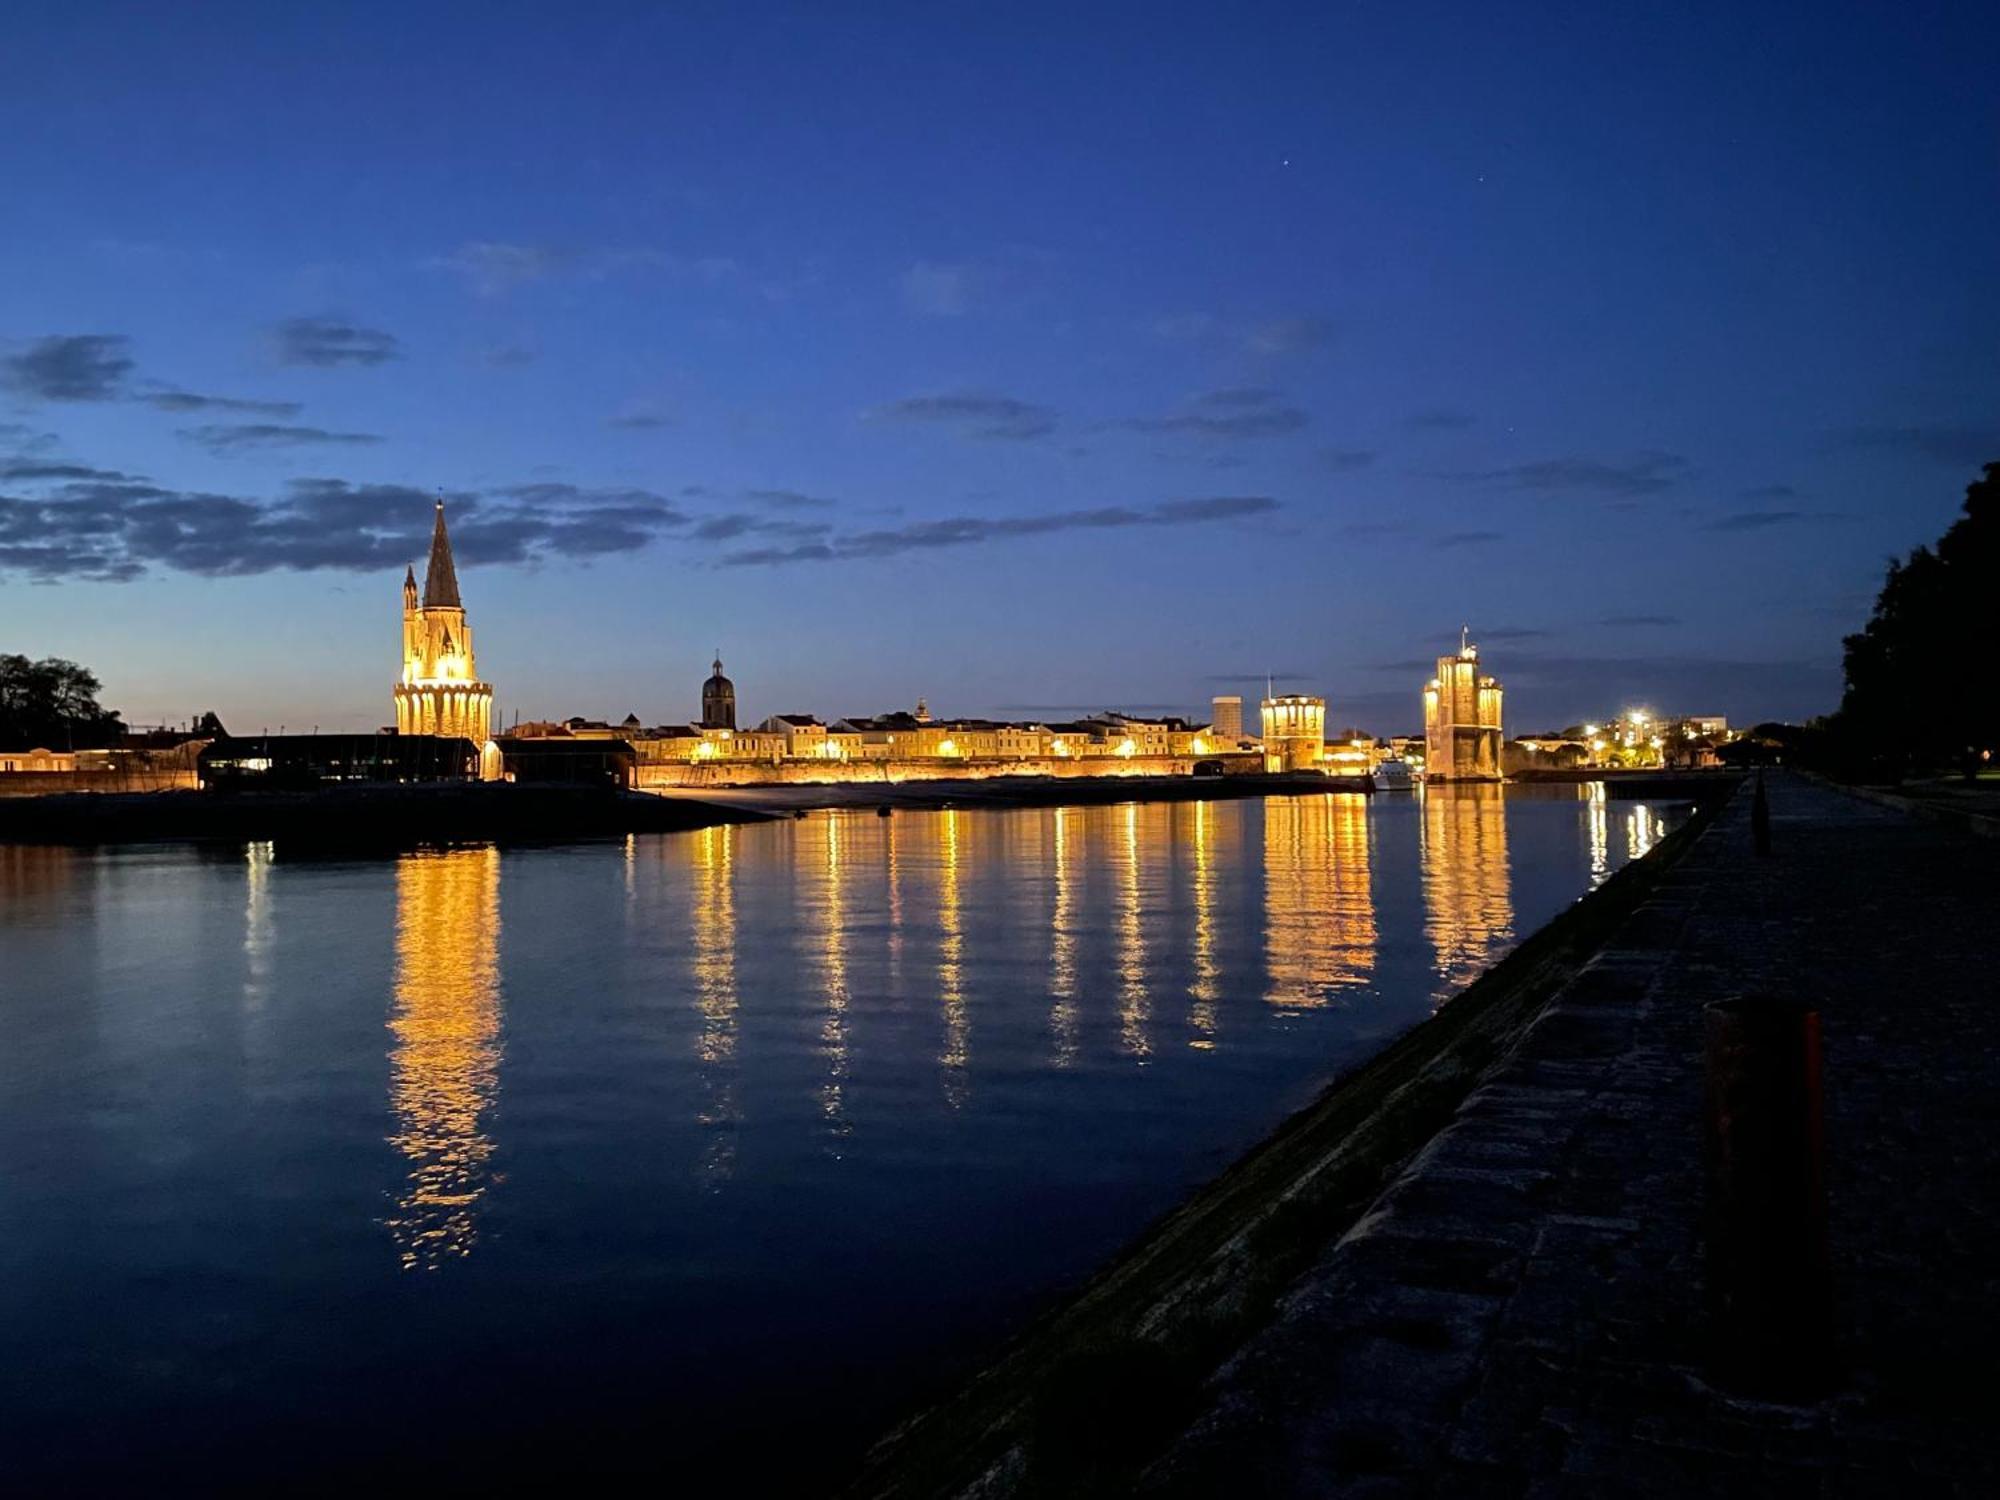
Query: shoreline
{"x": 392, "y": 816}
{"x": 1134, "y": 1343}
{"x": 1015, "y": 791}
{"x": 358, "y": 819}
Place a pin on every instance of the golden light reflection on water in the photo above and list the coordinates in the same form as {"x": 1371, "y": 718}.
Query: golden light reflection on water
{"x": 33, "y": 870}
{"x": 1139, "y": 904}
{"x": 713, "y": 851}
{"x": 1598, "y": 819}
{"x": 1063, "y": 1014}
{"x": 1319, "y": 906}
{"x": 895, "y": 872}
{"x": 1132, "y": 1006}
{"x": 444, "y": 1069}
{"x": 957, "y": 1052}
{"x": 833, "y": 833}
{"x": 1468, "y": 908}
{"x": 256, "y": 923}
{"x": 1203, "y": 986}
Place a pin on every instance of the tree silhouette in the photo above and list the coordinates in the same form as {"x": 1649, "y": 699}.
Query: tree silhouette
{"x": 1915, "y": 694}
{"x": 52, "y": 705}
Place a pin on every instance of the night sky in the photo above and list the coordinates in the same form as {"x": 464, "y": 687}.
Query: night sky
{"x": 1035, "y": 359}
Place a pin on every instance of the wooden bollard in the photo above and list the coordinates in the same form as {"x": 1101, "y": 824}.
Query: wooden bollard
{"x": 1760, "y": 817}
{"x": 1769, "y": 1284}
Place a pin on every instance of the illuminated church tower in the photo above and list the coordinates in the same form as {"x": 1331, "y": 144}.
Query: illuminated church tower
{"x": 440, "y": 692}
{"x": 718, "y": 699}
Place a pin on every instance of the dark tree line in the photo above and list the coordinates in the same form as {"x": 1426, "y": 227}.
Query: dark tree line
{"x": 1920, "y": 688}
{"x": 52, "y": 704}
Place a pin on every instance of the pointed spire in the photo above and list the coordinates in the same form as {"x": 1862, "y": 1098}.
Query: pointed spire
{"x": 441, "y": 582}
{"x": 409, "y": 586}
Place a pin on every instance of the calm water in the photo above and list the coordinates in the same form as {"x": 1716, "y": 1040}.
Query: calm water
{"x": 691, "y": 1150}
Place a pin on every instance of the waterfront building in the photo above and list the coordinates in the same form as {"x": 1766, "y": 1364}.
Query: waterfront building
{"x": 1116, "y": 741}
{"x": 1462, "y": 733}
{"x": 898, "y": 736}
{"x": 1225, "y": 712}
{"x": 806, "y": 738}
{"x": 718, "y": 699}
{"x": 1294, "y": 731}
{"x": 566, "y": 760}
{"x": 1352, "y": 753}
{"x": 440, "y": 692}
{"x": 1025, "y": 741}
{"x": 299, "y": 762}
{"x": 37, "y": 762}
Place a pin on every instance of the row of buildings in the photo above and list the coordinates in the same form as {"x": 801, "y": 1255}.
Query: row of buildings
{"x": 440, "y": 696}
{"x": 441, "y": 693}
{"x": 444, "y": 730}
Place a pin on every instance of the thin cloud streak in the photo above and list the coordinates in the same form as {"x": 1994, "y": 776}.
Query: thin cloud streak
{"x": 972, "y": 414}
{"x": 237, "y": 437}
{"x": 1228, "y": 415}
{"x": 327, "y": 343}
{"x": 186, "y": 402}
{"x": 965, "y": 531}
{"x": 1644, "y": 474}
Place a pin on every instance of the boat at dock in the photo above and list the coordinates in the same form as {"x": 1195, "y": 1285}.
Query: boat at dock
{"x": 1393, "y": 775}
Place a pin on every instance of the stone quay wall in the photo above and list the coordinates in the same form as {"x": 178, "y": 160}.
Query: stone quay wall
{"x": 1523, "y": 1312}
{"x": 693, "y": 775}
{"x": 52, "y": 783}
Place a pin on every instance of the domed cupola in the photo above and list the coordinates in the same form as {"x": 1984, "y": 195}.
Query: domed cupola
{"x": 718, "y": 699}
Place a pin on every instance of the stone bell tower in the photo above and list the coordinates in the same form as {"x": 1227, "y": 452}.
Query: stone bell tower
{"x": 440, "y": 692}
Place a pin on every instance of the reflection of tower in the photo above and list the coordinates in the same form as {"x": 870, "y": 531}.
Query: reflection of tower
{"x": 1202, "y": 990}
{"x": 1133, "y": 1012}
{"x": 715, "y": 992}
{"x": 718, "y": 699}
{"x": 1462, "y": 731}
{"x": 951, "y": 963}
{"x": 256, "y": 923}
{"x": 833, "y": 968}
{"x": 1226, "y": 713}
{"x": 1468, "y": 910}
{"x": 445, "y": 1067}
{"x": 1319, "y": 903}
{"x": 440, "y": 692}
{"x": 1062, "y": 943}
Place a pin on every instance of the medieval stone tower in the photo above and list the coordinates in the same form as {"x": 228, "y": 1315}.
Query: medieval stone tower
{"x": 440, "y": 692}
{"x": 1462, "y": 732}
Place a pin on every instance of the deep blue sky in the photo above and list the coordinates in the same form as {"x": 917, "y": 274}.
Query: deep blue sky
{"x": 1028, "y": 358}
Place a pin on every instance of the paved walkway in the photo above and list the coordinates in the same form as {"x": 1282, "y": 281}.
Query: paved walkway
{"x": 1521, "y": 1314}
